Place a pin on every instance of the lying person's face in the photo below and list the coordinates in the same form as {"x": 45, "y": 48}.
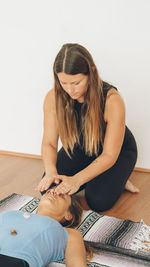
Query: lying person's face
{"x": 55, "y": 205}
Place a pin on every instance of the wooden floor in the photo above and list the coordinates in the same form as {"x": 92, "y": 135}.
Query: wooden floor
{"x": 21, "y": 175}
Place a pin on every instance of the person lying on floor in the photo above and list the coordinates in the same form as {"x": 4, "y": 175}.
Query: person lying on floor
{"x": 35, "y": 240}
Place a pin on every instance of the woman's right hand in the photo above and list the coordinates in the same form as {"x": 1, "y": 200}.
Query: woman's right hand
{"x": 46, "y": 182}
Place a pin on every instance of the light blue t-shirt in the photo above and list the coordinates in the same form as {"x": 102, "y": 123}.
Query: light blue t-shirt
{"x": 39, "y": 239}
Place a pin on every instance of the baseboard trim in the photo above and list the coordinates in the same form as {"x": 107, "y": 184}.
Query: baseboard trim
{"x": 32, "y": 156}
{"x": 18, "y": 154}
{"x": 137, "y": 169}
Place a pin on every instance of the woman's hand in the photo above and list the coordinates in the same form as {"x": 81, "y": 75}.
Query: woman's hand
{"x": 69, "y": 185}
{"x": 46, "y": 182}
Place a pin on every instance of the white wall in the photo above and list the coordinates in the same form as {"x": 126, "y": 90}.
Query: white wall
{"x": 116, "y": 32}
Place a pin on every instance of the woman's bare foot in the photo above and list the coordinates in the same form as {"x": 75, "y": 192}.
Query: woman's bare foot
{"x": 131, "y": 188}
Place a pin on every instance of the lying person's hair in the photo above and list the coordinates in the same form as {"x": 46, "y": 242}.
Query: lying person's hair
{"x": 76, "y": 210}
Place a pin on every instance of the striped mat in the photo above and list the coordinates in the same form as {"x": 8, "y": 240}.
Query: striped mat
{"x": 118, "y": 242}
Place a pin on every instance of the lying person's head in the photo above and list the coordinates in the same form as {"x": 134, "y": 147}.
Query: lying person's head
{"x": 64, "y": 208}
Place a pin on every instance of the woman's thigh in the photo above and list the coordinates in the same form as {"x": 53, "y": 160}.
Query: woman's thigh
{"x": 71, "y": 166}
{"x": 104, "y": 190}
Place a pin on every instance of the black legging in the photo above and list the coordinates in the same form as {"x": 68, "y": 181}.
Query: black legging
{"x": 103, "y": 191}
{"x": 7, "y": 261}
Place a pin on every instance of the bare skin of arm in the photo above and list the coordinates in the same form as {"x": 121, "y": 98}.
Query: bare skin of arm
{"x": 114, "y": 117}
{"x": 75, "y": 254}
{"x": 49, "y": 142}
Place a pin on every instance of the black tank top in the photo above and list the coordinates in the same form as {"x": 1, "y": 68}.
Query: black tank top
{"x": 79, "y": 148}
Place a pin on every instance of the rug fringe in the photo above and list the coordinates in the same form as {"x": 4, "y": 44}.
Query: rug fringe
{"x": 142, "y": 240}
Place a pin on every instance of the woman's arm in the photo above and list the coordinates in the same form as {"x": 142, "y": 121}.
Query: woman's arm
{"x": 115, "y": 129}
{"x": 75, "y": 254}
{"x": 50, "y": 141}
{"x": 50, "y": 135}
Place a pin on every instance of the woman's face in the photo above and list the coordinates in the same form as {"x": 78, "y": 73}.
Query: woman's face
{"x": 55, "y": 205}
{"x": 74, "y": 85}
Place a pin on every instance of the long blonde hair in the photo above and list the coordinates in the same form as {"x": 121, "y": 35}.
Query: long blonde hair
{"x": 74, "y": 59}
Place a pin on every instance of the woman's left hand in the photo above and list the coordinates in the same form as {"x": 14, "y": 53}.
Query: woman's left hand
{"x": 69, "y": 185}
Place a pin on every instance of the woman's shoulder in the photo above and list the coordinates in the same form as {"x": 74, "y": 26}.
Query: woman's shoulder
{"x": 113, "y": 99}
{"x": 49, "y": 101}
{"x": 108, "y": 87}
{"x": 114, "y": 104}
{"x": 50, "y": 96}
{"x": 110, "y": 90}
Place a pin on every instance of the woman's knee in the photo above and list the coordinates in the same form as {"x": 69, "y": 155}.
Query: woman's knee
{"x": 102, "y": 197}
{"x": 64, "y": 164}
{"x": 98, "y": 203}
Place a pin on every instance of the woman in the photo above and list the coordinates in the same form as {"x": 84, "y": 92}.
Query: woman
{"x": 99, "y": 151}
{"x": 34, "y": 240}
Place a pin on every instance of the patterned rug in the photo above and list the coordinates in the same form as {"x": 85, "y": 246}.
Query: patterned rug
{"x": 118, "y": 242}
